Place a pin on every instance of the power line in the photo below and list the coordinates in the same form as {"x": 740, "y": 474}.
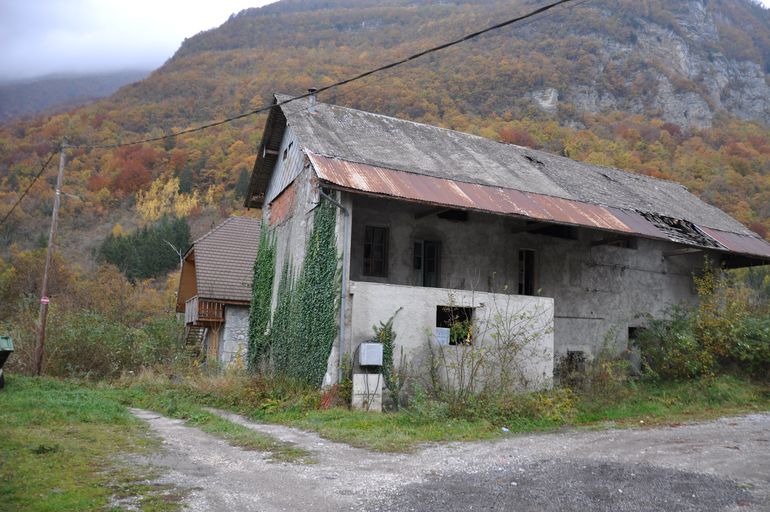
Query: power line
{"x": 346, "y": 81}
{"x": 40, "y": 173}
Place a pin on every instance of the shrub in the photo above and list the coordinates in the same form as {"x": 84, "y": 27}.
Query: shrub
{"x": 88, "y": 345}
{"x": 670, "y": 349}
{"x": 729, "y": 331}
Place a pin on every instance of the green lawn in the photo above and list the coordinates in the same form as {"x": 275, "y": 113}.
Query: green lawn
{"x": 61, "y": 446}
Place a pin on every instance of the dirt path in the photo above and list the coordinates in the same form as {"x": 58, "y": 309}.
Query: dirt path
{"x": 720, "y": 465}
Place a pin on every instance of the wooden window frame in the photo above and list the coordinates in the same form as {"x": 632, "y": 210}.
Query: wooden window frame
{"x": 527, "y": 276}
{"x": 372, "y": 267}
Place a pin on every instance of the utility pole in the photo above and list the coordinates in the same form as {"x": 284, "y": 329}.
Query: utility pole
{"x": 44, "y": 300}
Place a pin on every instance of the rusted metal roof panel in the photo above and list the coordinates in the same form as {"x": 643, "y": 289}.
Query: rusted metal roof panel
{"x": 445, "y": 192}
{"x": 428, "y": 189}
{"x": 637, "y": 223}
{"x": 741, "y": 244}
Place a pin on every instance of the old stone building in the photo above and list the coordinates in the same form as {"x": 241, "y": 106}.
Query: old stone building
{"x": 432, "y": 220}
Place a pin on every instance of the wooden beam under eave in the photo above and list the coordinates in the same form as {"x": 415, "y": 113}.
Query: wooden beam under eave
{"x": 428, "y": 213}
{"x": 607, "y": 241}
{"x": 681, "y": 252}
{"x": 529, "y": 226}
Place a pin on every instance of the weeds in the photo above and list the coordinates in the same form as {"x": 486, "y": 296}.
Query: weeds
{"x": 729, "y": 332}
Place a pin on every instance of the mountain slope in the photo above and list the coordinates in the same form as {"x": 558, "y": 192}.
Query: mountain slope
{"x": 662, "y": 88}
{"x": 60, "y": 91}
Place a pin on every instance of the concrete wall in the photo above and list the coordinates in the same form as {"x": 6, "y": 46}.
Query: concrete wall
{"x": 235, "y": 335}
{"x": 415, "y": 323}
{"x": 599, "y": 291}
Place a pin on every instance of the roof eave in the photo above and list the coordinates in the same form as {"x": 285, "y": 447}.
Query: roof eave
{"x": 266, "y": 156}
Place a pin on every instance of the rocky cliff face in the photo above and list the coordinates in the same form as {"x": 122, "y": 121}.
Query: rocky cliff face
{"x": 687, "y": 76}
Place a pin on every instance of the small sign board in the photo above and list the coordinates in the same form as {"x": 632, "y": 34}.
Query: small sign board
{"x": 442, "y": 335}
{"x": 44, "y": 300}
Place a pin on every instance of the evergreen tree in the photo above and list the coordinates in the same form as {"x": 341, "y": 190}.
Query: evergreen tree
{"x": 146, "y": 252}
{"x": 242, "y": 186}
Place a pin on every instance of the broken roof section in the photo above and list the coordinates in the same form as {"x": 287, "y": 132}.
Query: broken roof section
{"x": 224, "y": 259}
{"x": 383, "y": 155}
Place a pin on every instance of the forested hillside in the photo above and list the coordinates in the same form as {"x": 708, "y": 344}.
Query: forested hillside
{"x": 37, "y": 95}
{"x": 679, "y": 90}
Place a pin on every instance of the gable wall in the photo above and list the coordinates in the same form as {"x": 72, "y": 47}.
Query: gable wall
{"x": 598, "y": 291}
{"x": 287, "y": 169}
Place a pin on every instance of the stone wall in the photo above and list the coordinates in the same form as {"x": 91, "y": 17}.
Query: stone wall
{"x": 235, "y": 335}
{"x": 600, "y": 291}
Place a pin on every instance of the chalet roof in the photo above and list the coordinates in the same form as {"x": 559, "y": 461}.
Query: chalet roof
{"x": 224, "y": 259}
{"x": 376, "y": 151}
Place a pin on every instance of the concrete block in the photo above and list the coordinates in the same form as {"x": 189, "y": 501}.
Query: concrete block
{"x": 367, "y": 391}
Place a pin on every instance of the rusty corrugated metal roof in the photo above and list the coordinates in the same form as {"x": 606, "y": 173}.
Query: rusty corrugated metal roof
{"x": 440, "y": 191}
{"x": 739, "y": 243}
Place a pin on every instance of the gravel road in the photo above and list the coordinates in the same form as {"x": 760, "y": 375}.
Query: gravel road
{"x": 722, "y": 465}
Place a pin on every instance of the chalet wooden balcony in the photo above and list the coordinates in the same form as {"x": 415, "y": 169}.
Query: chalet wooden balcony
{"x": 199, "y": 311}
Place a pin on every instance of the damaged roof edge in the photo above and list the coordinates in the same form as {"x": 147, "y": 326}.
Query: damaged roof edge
{"x": 377, "y": 181}
{"x": 275, "y": 124}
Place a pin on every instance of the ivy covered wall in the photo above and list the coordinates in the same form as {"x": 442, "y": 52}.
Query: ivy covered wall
{"x": 304, "y": 324}
{"x": 261, "y": 295}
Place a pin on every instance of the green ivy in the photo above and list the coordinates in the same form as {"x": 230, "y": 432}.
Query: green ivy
{"x": 261, "y": 299}
{"x": 304, "y": 324}
{"x": 305, "y": 319}
{"x": 283, "y": 331}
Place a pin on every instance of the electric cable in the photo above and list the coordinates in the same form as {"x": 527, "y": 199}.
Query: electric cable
{"x": 23, "y": 195}
{"x": 340, "y": 83}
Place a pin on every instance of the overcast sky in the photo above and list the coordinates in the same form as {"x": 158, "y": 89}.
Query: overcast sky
{"x": 39, "y": 37}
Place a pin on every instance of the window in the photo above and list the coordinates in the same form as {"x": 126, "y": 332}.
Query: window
{"x": 427, "y": 262}
{"x": 526, "y": 272}
{"x": 376, "y": 251}
{"x": 459, "y": 321}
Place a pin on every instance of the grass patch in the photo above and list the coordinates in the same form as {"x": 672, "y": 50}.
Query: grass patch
{"x": 396, "y": 432}
{"x": 177, "y": 403}
{"x": 671, "y": 402}
{"x": 59, "y": 446}
{"x": 428, "y": 421}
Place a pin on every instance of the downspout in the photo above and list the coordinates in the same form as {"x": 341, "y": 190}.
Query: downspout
{"x": 345, "y": 265}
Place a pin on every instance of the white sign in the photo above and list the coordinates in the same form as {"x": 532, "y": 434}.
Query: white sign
{"x": 442, "y": 335}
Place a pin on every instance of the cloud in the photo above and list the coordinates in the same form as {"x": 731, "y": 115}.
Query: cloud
{"x": 52, "y": 36}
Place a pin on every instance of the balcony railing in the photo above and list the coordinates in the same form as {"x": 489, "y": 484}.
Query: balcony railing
{"x": 202, "y": 311}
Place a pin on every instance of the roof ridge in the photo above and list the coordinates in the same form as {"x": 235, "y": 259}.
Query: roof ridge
{"x": 222, "y": 224}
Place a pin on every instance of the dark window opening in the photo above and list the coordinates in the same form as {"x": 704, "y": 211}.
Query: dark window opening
{"x": 556, "y": 230}
{"x": 459, "y": 321}
{"x": 455, "y": 215}
{"x": 427, "y": 263}
{"x": 376, "y": 251}
{"x": 526, "y": 272}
